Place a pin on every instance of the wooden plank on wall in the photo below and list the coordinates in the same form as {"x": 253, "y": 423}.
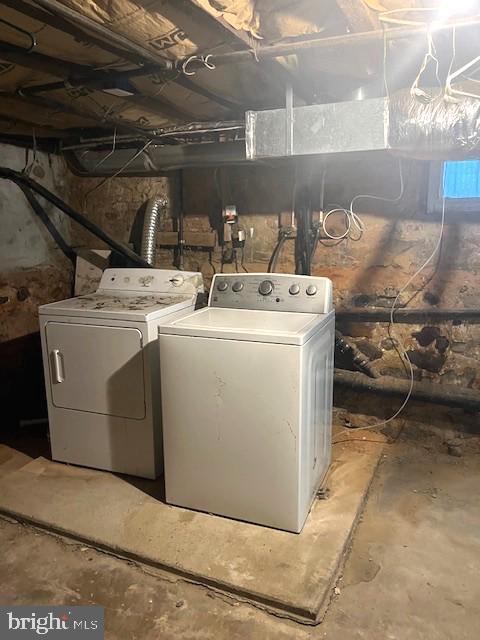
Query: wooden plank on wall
{"x": 192, "y": 238}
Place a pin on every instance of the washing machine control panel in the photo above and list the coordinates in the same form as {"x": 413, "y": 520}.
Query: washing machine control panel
{"x": 272, "y": 292}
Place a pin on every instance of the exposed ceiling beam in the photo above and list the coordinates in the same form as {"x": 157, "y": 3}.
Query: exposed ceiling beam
{"x": 242, "y": 40}
{"x": 192, "y": 86}
{"x": 57, "y": 22}
{"x": 49, "y": 145}
{"x": 39, "y": 61}
{"x": 40, "y": 129}
{"x": 358, "y": 15}
{"x": 155, "y": 63}
{"x": 84, "y": 114}
{"x": 91, "y": 26}
{"x": 52, "y": 66}
{"x": 346, "y": 44}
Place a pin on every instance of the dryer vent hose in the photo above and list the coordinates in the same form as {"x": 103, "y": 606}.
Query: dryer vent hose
{"x": 151, "y": 222}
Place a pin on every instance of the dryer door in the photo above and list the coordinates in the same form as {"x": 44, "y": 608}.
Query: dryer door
{"x": 97, "y": 369}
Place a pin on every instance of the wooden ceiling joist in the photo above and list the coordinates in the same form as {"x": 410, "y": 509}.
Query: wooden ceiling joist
{"x": 358, "y": 15}
{"x": 108, "y": 42}
{"x": 347, "y": 44}
{"x": 87, "y": 25}
{"x": 39, "y": 61}
{"x": 237, "y": 39}
{"x": 40, "y": 129}
{"x": 57, "y": 68}
{"x": 84, "y": 114}
{"x": 57, "y": 22}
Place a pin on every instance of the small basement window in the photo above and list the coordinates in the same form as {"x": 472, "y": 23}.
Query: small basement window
{"x": 456, "y": 181}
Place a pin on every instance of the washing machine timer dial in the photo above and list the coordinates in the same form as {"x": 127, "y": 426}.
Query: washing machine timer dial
{"x": 265, "y": 288}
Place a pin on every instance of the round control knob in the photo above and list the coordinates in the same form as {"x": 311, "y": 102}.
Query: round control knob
{"x": 294, "y": 289}
{"x": 265, "y": 288}
{"x": 222, "y": 285}
{"x": 311, "y": 290}
{"x": 237, "y": 286}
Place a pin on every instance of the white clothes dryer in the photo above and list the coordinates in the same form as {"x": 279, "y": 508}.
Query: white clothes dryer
{"x": 102, "y": 369}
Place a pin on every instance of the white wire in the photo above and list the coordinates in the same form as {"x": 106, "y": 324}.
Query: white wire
{"x": 352, "y": 220}
{"x": 208, "y": 64}
{"x": 117, "y": 173}
{"x": 203, "y": 59}
{"x": 403, "y": 350}
{"x": 415, "y": 90}
{"x": 110, "y": 153}
{"x": 185, "y": 65}
{"x": 385, "y": 16}
{"x": 385, "y": 55}
{"x": 382, "y": 198}
{"x": 449, "y": 90}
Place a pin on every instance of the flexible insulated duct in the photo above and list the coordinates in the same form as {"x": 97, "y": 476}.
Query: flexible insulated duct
{"x": 150, "y": 226}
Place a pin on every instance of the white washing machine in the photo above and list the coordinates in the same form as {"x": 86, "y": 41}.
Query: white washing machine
{"x": 247, "y": 398}
{"x": 101, "y": 368}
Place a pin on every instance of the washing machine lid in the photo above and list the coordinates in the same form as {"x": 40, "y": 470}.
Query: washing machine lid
{"x": 120, "y": 305}
{"x": 248, "y": 325}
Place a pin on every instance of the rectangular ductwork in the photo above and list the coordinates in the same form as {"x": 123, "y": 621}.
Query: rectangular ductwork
{"x": 318, "y": 129}
{"x": 435, "y": 128}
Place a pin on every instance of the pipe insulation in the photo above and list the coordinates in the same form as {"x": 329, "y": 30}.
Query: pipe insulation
{"x": 151, "y": 222}
{"x": 441, "y": 394}
{"x": 22, "y": 180}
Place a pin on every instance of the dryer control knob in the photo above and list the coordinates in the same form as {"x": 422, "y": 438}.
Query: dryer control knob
{"x": 294, "y": 289}
{"x": 237, "y": 286}
{"x": 311, "y": 290}
{"x": 222, "y": 285}
{"x": 265, "y": 288}
{"x": 177, "y": 281}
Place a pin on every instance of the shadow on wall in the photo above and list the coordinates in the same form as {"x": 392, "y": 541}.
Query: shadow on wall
{"x": 418, "y": 414}
{"x": 22, "y": 390}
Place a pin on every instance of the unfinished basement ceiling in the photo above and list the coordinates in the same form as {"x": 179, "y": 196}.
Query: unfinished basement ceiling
{"x": 81, "y": 43}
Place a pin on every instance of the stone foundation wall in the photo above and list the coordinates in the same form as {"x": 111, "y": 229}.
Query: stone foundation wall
{"x": 398, "y": 239}
{"x": 33, "y": 271}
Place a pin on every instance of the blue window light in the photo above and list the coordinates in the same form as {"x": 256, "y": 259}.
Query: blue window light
{"x": 461, "y": 179}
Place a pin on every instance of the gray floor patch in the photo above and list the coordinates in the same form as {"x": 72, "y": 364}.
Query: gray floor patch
{"x": 289, "y": 574}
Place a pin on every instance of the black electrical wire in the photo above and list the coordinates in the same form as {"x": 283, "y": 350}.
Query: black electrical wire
{"x": 315, "y": 240}
{"x": 272, "y": 264}
{"x": 242, "y": 263}
{"x": 302, "y": 248}
{"x": 210, "y": 262}
{"x": 21, "y": 179}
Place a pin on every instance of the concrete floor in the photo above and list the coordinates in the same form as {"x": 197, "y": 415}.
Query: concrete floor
{"x": 289, "y": 574}
{"x": 413, "y": 572}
